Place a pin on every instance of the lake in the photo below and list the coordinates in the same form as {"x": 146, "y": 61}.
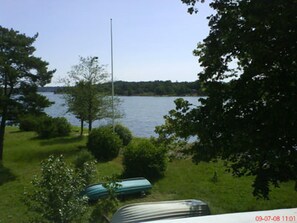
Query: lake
{"x": 141, "y": 114}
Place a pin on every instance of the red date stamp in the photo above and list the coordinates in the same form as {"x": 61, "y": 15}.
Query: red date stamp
{"x": 275, "y": 218}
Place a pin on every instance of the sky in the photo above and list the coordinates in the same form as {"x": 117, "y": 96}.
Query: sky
{"x": 152, "y": 39}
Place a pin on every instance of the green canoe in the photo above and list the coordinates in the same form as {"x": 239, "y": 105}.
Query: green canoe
{"x": 126, "y": 186}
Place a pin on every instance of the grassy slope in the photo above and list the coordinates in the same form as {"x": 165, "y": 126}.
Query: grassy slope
{"x": 183, "y": 180}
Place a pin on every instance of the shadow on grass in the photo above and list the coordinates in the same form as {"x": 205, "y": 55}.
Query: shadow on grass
{"x": 39, "y": 155}
{"x": 129, "y": 197}
{"x": 15, "y": 131}
{"x": 59, "y": 140}
{"x": 6, "y": 175}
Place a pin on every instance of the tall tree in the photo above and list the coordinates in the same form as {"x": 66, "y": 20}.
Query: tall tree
{"x": 20, "y": 75}
{"x": 84, "y": 98}
{"x": 250, "y": 76}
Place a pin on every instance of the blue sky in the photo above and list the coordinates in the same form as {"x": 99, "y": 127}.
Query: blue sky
{"x": 152, "y": 39}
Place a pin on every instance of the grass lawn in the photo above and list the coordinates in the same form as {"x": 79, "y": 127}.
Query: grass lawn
{"x": 183, "y": 180}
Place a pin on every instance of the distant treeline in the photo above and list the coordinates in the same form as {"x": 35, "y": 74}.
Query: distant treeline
{"x": 145, "y": 88}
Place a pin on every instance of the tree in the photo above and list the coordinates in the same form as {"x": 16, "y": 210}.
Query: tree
{"x": 55, "y": 196}
{"x": 249, "y": 117}
{"x": 83, "y": 96}
{"x": 20, "y": 75}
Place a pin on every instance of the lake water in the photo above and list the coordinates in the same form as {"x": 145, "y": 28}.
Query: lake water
{"x": 141, "y": 114}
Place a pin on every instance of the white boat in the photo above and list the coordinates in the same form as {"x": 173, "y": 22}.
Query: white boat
{"x": 150, "y": 211}
{"x": 279, "y": 216}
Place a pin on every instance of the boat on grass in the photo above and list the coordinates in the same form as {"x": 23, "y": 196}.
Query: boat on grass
{"x": 125, "y": 187}
{"x": 151, "y": 211}
{"x": 279, "y": 215}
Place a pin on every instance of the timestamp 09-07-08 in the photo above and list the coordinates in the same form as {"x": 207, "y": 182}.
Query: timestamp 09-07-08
{"x": 276, "y": 218}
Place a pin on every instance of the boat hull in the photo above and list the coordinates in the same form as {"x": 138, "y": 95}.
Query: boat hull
{"x": 150, "y": 211}
{"x": 126, "y": 187}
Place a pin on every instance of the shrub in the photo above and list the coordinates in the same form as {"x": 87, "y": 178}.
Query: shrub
{"x": 103, "y": 144}
{"x": 144, "y": 159}
{"x": 63, "y": 127}
{"x": 82, "y": 157}
{"x": 84, "y": 164}
{"x": 53, "y": 127}
{"x": 29, "y": 123}
{"x": 46, "y": 127}
{"x": 124, "y": 133}
{"x": 55, "y": 196}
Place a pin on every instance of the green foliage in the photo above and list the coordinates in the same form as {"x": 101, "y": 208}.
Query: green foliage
{"x": 191, "y": 4}
{"x": 53, "y": 127}
{"x": 56, "y": 194}
{"x": 153, "y": 88}
{"x": 104, "y": 144}
{"x": 20, "y": 74}
{"x": 124, "y": 133}
{"x": 182, "y": 179}
{"x": 84, "y": 164}
{"x": 108, "y": 205}
{"x": 142, "y": 158}
{"x": 83, "y": 97}
{"x": 249, "y": 117}
{"x": 29, "y": 122}
{"x": 82, "y": 157}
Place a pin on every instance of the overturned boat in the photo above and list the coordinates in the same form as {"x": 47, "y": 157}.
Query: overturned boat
{"x": 125, "y": 187}
{"x": 150, "y": 211}
{"x": 279, "y": 215}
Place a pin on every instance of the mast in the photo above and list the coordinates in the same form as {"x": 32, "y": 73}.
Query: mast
{"x": 112, "y": 84}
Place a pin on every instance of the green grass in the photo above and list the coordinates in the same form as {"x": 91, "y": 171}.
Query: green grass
{"x": 183, "y": 180}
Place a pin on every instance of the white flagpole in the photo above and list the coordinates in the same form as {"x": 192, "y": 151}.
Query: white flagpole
{"x": 112, "y": 85}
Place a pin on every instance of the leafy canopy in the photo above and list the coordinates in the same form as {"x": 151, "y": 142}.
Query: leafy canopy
{"x": 55, "y": 196}
{"x": 83, "y": 96}
{"x": 20, "y": 74}
{"x": 249, "y": 115}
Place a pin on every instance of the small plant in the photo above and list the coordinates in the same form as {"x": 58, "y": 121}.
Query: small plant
{"x": 214, "y": 178}
{"x": 104, "y": 144}
{"x": 55, "y": 195}
{"x": 143, "y": 158}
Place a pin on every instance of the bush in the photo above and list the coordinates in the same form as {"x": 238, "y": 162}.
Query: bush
{"x": 144, "y": 159}
{"x": 53, "y": 127}
{"x": 84, "y": 164}
{"x": 63, "y": 126}
{"x": 29, "y": 123}
{"x": 82, "y": 157}
{"x": 55, "y": 196}
{"x": 124, "y": 133}
{"x": 103, "y": 144}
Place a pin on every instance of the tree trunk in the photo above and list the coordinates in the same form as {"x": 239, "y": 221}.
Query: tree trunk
{"x": 90, "y": 126}
{"x": 81, "y": 127}
{"x": 2, "y": 132}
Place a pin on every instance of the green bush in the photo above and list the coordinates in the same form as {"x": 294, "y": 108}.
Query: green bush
{"x": 84, "y": 164}
{"x": 124, "y": 133}
{"x": 103, "y": 144}
{"x": 55, "y": 195}
{"x": 53, "y": 127}
{"x": 63, "y": 127}
{"x": 29, "y": 123}
{"x": 82, "y": 157}
{"x": 144, "y": 159}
